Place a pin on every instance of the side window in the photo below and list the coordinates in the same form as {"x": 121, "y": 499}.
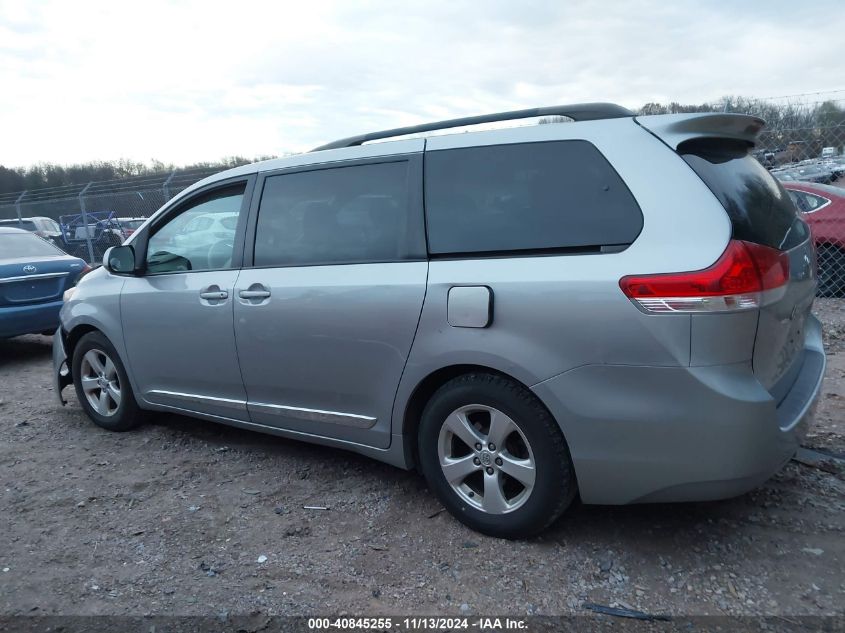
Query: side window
{"x": 807, "y": 202}
{"x": 200, "y": 237}
{"x": 339, "y": 215}
{"x": 526, "y": 197}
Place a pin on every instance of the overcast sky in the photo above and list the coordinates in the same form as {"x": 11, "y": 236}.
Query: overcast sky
{"x": 185, "y": 81}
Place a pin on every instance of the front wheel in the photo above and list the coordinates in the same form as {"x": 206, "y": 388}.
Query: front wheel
{"x": 495, "y": 457}
{"x": 102, "y": 385}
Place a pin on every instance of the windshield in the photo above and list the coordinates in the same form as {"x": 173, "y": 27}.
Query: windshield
{"x": 18, "y": 245}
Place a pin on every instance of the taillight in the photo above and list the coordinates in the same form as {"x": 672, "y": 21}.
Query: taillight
{"x": 739, "y": 280}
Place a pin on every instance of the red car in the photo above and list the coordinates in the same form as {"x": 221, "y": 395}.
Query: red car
{"x": 823, "y": 207}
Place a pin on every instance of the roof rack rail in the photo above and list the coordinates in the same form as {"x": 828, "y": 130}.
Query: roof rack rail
{"x": 577, "y": 112}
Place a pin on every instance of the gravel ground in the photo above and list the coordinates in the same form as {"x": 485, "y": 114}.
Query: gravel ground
{"x": 187, "y": 517}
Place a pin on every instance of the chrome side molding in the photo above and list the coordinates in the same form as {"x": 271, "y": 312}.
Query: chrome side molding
{"x": 240, "y": 405}
{"x": 315, "y": 415}
{"x": 298, "y": 413}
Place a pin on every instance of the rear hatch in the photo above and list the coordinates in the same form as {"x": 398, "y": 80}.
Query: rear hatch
{"x": 47, "y": 282}
{"x": 717, "y": 148}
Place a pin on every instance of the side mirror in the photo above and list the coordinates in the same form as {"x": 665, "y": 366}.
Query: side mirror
{"x": 120, "y": 260}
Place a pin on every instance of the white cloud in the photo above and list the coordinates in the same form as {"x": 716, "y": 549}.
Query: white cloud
{"x": 187, "y": 80}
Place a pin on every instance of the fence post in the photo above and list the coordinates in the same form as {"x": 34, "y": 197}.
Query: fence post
{"x": 165, "y": 188}
{"x": 85, "y": 223}
{"x": 18, "y": 207}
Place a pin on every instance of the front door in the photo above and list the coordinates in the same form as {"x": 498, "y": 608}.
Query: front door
{"x": 177, "y": 317}
{"x": 325, "y": 317}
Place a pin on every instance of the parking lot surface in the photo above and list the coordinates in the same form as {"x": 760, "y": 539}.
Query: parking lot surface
{"x": 188, "y": 517}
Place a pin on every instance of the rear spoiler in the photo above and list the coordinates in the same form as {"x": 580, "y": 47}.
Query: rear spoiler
{"x": 674, "y": 129}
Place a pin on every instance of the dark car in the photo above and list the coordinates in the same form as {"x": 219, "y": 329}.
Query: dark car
{"x": 34, "y": 275}
{"x": 823, "y": 208}
{"x": 44, "y": 227}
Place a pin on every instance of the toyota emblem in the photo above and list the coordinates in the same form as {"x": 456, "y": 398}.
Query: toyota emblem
{"x": 29, "y": 269}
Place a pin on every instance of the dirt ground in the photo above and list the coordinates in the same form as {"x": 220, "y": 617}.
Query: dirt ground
{"x": 175, "y": 517}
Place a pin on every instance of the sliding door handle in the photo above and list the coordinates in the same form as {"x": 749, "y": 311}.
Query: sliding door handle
{"x": 254, "y": 294}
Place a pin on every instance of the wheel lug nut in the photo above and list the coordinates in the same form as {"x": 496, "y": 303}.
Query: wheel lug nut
{"x": 491, "y": 446}
{"x": 471, "y": 493}
{"x": 478, "y": 446}
{"x": 489, "y": 470}
{"x": 498, "y": 461}
{"x": 476, "y": 461}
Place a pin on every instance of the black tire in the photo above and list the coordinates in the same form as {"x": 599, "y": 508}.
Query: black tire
{"x": 126, "y": 415}
{"x": 554, "y": 485}
{"x": 831, "y": 267}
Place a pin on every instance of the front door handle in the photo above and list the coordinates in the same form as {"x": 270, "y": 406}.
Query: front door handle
{"x": 214, "y": 295}
{"x": 254, "y": 294}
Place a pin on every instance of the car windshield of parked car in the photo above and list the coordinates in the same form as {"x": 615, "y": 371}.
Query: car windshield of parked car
{"x": 19, "y": 245}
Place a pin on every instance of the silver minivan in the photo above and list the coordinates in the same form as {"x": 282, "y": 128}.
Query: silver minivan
{"x": 616, "y": 307}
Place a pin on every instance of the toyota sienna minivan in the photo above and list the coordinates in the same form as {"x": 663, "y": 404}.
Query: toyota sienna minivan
{"x": 616, "y": 307}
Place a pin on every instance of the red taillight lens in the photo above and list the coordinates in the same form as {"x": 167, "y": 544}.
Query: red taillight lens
{"x": 735, "y": 282}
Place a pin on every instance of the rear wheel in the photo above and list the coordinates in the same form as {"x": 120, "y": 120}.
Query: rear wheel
{"x": 831, "y": 266}
{"x": 102, "y": 385}
{"x": 495, "y": 457}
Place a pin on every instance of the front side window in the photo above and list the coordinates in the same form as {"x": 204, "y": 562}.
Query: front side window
{"x": 200, "y": 237}
{"x": 526, "y": 197}
{"x": 341, "y": 215}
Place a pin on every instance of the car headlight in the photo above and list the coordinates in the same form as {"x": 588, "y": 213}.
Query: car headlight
{"x": 68, "y": 294}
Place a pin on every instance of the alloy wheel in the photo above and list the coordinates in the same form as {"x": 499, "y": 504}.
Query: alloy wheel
{"x": 486, "y": 459}
{"x": 100, "y": 382}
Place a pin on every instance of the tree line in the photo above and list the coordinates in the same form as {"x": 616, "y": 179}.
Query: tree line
{"x": 55, "y": 175}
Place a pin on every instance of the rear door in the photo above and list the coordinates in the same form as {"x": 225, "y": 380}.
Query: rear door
{"x": 326, "y": 314}
{"x": 762, "y": 212}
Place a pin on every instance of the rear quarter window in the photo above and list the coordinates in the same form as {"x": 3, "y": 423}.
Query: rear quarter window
{"x": 526, "y": 197}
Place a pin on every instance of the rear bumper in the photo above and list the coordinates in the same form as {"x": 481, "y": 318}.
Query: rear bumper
{"x": 29, "y": 319}
{"x": 649, "y": 434}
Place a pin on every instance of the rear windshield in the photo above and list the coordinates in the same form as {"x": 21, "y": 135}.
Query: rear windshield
{"x": 26, "y": 225}
{"x": 758, "y": 206}
{"x": 15, "y": 245}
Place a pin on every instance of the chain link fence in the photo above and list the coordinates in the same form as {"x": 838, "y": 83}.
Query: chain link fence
{"x": 810, "y": 164}
{"x": 802, "y": 145}
{"x": 85, "y": 220}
